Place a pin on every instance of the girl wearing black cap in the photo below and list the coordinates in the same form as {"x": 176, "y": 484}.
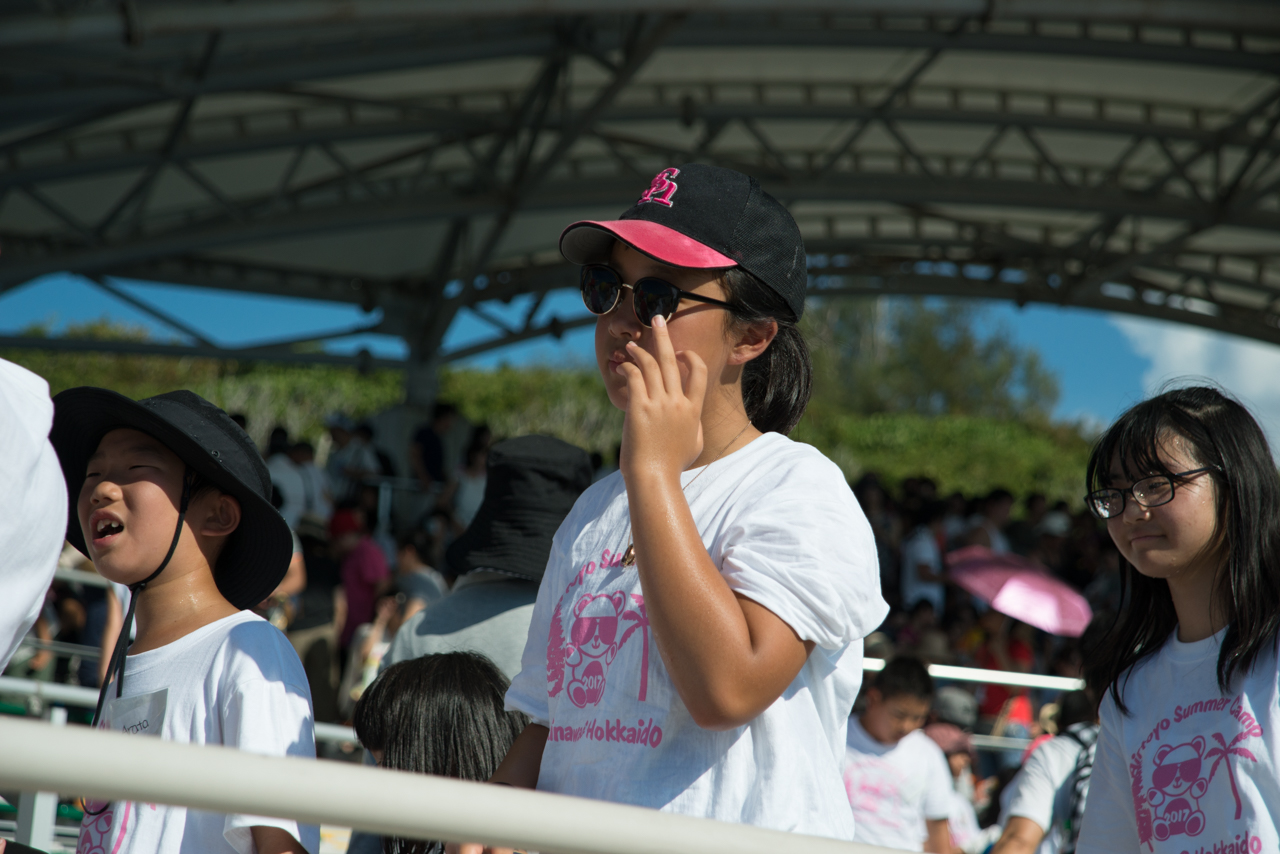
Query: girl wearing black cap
{"x": 697, "y": 641}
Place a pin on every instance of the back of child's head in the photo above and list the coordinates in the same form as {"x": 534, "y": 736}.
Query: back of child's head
{"x": 904, "y": 676}
{"x": 439, "y": 714}
{"x": 420, "y": 541}
{"x": 1076, "y": 707}
{"x": 1218, "y": 434}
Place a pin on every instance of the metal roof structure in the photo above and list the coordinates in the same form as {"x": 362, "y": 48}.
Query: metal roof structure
{"x": 422, "y": 157}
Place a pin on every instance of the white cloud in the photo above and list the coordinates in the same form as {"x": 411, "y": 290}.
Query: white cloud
{"x": 1250, "y": 370}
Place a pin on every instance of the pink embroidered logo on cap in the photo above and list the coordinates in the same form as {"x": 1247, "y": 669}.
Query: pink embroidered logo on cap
{"x": 662, "y": 188}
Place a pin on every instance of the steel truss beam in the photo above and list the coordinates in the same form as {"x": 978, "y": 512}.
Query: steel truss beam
{"x": 1100, "y": 201}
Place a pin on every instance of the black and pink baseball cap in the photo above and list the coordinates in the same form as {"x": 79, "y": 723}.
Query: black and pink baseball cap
{"x": 705, "y": 218}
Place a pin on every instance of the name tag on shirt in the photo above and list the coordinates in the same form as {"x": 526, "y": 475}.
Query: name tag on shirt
{"x": 141, "y": 715}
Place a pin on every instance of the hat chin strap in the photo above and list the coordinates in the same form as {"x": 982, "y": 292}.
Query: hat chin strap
{"x": 116, "y": 668}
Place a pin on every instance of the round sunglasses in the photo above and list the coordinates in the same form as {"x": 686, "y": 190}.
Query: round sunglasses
{"x": 650, "y": 297}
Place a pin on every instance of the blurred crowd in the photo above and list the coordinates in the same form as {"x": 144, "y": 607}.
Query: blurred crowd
{"x": 371, "y": 539}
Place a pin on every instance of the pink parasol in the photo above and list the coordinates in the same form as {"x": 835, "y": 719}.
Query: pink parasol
{"x": 1021, "y": 588}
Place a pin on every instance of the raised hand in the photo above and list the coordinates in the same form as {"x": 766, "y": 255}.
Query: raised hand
{"x": 662, "y": 431}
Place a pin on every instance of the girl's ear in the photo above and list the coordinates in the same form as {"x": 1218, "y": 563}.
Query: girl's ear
{"x": 221, "y": 515}
{"x": 752, "y": 340}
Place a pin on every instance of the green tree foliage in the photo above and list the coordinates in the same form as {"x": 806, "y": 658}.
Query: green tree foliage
{"x": 926, "y": 357}
{"x": 966, "y": 453}
{"x": 570, "y": 405}
{"x": 907, "y": 389}
{"x": 297, "y": 396}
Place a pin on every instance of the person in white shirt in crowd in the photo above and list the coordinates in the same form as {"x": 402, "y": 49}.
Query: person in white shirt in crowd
{"x": 317, "y": 497}
{"x": 697, "y": 638}
{"x": 922, "y": 576}
{"x": 350, "y": 458}
{"x": 1190, "y": 742}
{"x": 33, "y": 504}
{"x": 285, "y": 477}
{"x": 988, "y": 526}
{"x": 466, "y": 492}
{"x": 1046, "y": 801}
{"x": 172, "y": 499}
{"x": 897, "y": 779}
{"x": 957, "y": 746}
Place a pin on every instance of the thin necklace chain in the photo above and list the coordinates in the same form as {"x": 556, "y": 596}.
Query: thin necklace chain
{"x": 629, "y": 556}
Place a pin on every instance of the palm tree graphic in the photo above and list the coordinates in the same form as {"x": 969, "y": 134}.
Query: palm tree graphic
{"x": 1221, "y": 755}
{"x": 641, "y": 621}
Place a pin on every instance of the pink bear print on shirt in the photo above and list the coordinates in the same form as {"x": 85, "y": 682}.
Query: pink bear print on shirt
{"x": 1176, "y": 789}
{"x": 593, "y": 644}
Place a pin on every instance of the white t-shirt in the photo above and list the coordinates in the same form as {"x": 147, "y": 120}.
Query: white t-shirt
{"x": 33, "y": 503}
{"x": 1042, "y": 790}
{"x": 235, "y": 682}
{"x": 781, "y": 523}
{"x": 963, "y": 820}
{"x": 1189, "y": 769}
{"x": 922, "y": 548}
{"x": 286, "y": 477}
{"x": 469, "y": 495}
{"x": 894, "y": 788}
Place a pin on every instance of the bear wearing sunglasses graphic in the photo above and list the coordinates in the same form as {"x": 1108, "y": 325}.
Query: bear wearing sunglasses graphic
{"x": 1176, "y": 789}
{"x": 592, "y": 646}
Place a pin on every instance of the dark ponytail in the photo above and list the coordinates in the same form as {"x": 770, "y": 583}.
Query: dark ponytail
{"x": 775, "y": 385}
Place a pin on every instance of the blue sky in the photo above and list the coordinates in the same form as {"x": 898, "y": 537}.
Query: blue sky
{"x": 1104, "y": 362}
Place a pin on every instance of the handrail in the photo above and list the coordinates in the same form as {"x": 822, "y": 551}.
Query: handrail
{"x": 62, "y": 648}
{"x": 115, "y": 766}
{"x": 66, "y": 573}
{"x": 75, "y": 695}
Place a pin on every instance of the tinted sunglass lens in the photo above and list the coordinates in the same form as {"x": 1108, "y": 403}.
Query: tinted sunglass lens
{"x": 655, "y": 297}
{"x": 600, "y": 289}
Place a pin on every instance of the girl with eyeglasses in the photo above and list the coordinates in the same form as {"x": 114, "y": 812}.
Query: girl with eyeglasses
{"x": 1187, "y": 757}
{"x": 696, "y": 645}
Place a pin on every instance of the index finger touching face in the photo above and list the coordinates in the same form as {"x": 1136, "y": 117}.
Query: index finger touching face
{"x": 666, "y": 355}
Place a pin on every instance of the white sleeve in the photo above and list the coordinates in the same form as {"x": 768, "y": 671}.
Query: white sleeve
{"x": 808, "y": 555}
{"x": 270, "y": 715}
{"x": 33, "y": 503}
{"x": 937, "y": 798}
{"x": 1109, "y": 822}
{"x": 1034, "y": 790}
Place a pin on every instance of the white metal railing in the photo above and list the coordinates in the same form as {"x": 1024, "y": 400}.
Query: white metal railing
{"x": 66, "y": 573}
{"x": 73, "y": 695}
{"x": 115, "y": 766}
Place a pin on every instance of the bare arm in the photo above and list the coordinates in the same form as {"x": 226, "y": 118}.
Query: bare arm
{"x": 729, "y": 657}
{"x": 275, "y": 840}
{"x": 524, "y": 759}
{"x": 519, "y": 769}
{"x": 1021, "y": 836}
{"x": 295, "y": 578}
{"x": 939, "y": 839}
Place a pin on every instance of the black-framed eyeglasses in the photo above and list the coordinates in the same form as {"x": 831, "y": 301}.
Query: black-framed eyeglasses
{"x": 1151, "y": 491}
{"x": 650, "y": 297}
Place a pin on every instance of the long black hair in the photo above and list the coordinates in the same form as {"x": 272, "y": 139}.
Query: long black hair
{"x": 1220, "y": 434}
{"x": 776, "y": 384}
{"x": 439, "y": 714}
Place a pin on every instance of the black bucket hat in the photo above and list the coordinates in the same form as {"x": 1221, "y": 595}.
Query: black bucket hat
{"x": 257, "y": 554}
{"x": 532, "y": 483}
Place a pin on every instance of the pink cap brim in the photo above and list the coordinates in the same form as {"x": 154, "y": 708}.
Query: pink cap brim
{"x": 584, "y": 242}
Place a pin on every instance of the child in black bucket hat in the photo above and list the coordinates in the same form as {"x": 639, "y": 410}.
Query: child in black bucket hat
{"x": 169, "y": 497}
